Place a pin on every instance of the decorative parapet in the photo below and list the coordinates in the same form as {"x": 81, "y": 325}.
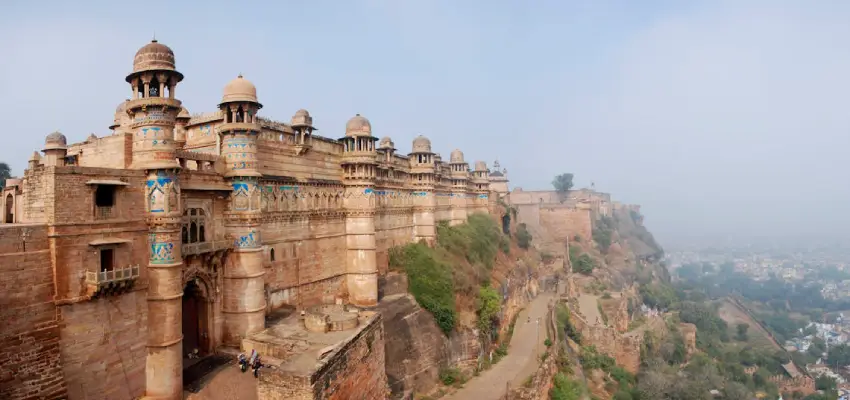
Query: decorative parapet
{"x": 117, "y": 281}
{"x": 190, "y": 249}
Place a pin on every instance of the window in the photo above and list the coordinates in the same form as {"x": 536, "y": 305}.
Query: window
{"x": 271, "y": 255}
{"x": 104, "y": 196}
{"x": 107, "y": 260}
{"x": 194, "y": 224}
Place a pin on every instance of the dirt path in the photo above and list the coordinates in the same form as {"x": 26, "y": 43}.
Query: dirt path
{"x": 521, "y": 360}
{"x": 588, "y": 304}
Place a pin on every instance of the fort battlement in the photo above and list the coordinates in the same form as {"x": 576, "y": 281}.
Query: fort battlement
{"x": 180, "y": 232}
{"x": 803, "y": 384}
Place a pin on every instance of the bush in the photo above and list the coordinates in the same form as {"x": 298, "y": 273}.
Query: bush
{"x": 523, "y": 237}
{"x": 430, "y": 282}
{"x": 450, "y": 376}
{"x": 547, "y": 342}
{"x": 564, "y": 388}
{"x": 489, "y": 305}
{"x": 584, "y": 264}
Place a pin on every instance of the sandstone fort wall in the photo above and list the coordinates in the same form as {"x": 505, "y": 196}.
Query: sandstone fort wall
{"x": 625, "y": 349}
{"x": 351, "y": 369}
{"x": 564, "y": 222}
{"x": 30, "y": 360}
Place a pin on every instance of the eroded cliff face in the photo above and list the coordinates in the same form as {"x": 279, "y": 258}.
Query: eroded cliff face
{"x": 417, "y": 350}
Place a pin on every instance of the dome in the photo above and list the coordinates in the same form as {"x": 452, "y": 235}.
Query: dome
{"x": 386, "y": 143}
{"x": 55, "y": 140}
{"x": 92, "y": 138}
{"x": 240, "y": 89}
{"x": 421, "y": 145}
{"x": 358, "y": 126}
{"x": 480, "y": 166}
{"x": 154, "y": 56}
{"x": 184, "y": 113}
{"x": 302, "y": 118}
{"x": 456, "y": 157}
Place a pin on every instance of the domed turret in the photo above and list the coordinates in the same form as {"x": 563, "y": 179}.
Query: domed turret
{"x": 480, "y": 166}
{"x": 456, "y": 157}
{"x": 386, "y": 143}
{"x": 358, "y": 126}
{"x": 421, "y": 144}
{"x": 302, "y": 118}
{"x": 240, "y": 90}
{"x": 153, "y": 57}
{"x": 184, "y": 114}
{"x": 55, "y": 141}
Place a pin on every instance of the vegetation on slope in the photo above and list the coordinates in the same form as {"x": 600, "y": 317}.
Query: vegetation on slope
{"x": 461, "y": 263}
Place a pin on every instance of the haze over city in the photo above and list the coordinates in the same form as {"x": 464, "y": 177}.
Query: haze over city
{"x": 721, "y": 118}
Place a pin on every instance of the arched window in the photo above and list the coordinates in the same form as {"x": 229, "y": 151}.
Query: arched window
{"x": 194, "y": 226}
{"x": 271, "y": 255}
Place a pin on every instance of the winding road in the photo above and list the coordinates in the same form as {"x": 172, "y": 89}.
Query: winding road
{"x": 522, "y": 358}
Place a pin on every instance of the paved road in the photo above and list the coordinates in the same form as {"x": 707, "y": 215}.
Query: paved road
{"x": 520, "y": 362}
{"x": 227, "y": 383}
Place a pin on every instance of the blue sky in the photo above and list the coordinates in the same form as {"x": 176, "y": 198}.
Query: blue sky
{"x": 719, "y": 117}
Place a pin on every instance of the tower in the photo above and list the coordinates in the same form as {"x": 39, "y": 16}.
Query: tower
{"x": 498, "y": 182}
{"x": 55, "y": 149}
{"x": 422, "y": 175}
{"x": 152, "y": 112}
{"x": 481, "y": 186}
{"x": 244, "y": 303}
{"x": 460, "y": 182}
{"x": 302, "y": 124}
{"x": 359, "y": 168}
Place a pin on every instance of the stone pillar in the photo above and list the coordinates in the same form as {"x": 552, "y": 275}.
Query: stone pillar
{"x": 424, "y": 204}
{"x": 360, "y": 246}
{"x": 244, "y": 303}
{"x": 164, "y": 363}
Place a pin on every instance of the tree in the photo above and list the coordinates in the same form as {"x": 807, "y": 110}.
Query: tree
{"x": 5, "y": 173}
{"x": 563, "y": 183}
{"x": 742, "y": 331}
{"x": 523, "y": 237}
{"x": 839, "y": 356}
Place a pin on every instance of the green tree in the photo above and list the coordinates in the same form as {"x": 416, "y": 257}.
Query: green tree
{"x": 563, "y": 183}
{"x": 523, "y": 237}
{"x": 489, "y": 305}
{"x": 839, "y": 356}
{"x": 742, "y": 331}
{"x": 5, "y": 173}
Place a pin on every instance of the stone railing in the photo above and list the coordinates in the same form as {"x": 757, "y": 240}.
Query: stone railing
{"x": 103, "y": 212}
{"x": 116, "y": 275}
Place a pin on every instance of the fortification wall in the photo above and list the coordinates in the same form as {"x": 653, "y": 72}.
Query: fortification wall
{"x": 564, "y": 222}
{"x": 309, "y": 253}
{"x": 393, "y": 227}
{"x": 352, "y": 370}
{"x": 30, "y": 357}
{"x": 114, "y": 151}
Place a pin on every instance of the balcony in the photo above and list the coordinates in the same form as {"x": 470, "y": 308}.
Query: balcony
{"x": 117, "y": 281}
{"x": 190, "y": 249}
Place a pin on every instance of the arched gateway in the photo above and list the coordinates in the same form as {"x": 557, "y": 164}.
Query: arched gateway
{"x": 197, "y": 326}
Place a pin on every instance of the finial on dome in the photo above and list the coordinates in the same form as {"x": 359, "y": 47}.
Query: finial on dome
{"x": 240, "y": 75}
{"x": 153, "y": 40}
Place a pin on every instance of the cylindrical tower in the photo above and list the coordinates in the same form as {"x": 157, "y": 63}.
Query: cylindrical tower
{"x": 460, "y": 181}
{"x": 55, "y": 149}
{"x": 359, "y": 166}
{"x": 422, "y": 176}
{"x": 183, "y": 118}
{"x": 481, "y": 186}
{"x": 152, "y": 111}
{"x": 244, "y": 302}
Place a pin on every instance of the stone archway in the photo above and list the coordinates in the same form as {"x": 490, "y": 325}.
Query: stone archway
{"x": 197, "y": 319}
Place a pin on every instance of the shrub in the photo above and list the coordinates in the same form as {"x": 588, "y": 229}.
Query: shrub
{"x": 430, "y": 282}
{"x": 450, "y": 376}
{"x": 523, "y": 237}
{"x": 584, "y": 264}
{"x": 546, "y": 257}
{"x": 547, "y": 342}
{"x": 489, "y": 305}
{"x": 564, "y": 388}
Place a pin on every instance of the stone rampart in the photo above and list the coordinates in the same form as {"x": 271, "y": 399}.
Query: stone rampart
{"x": 803, "y": 384}
{"x": 30, "y": 357}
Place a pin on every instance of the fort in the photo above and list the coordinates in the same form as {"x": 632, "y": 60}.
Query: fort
{"x": 122, "y": 255}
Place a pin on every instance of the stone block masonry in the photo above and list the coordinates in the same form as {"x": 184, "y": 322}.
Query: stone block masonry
{"x": 351, "y": 369}
{"x": 30, "y": 360}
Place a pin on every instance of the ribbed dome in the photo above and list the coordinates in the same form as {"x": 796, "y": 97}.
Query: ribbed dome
{"x": 358, "y": 126}
{"x": 456, "y": 157}
{"x": 154, "y": 56}
{"x": 240, "y": 89}
{"x": 55, "y": 140}
{"x": 480, "y": 166}
{"x": 302, "y": 113}
{"x": 421, "y": 144}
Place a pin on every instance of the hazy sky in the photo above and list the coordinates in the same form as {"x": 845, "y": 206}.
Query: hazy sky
{"x": 718, "y": 117}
